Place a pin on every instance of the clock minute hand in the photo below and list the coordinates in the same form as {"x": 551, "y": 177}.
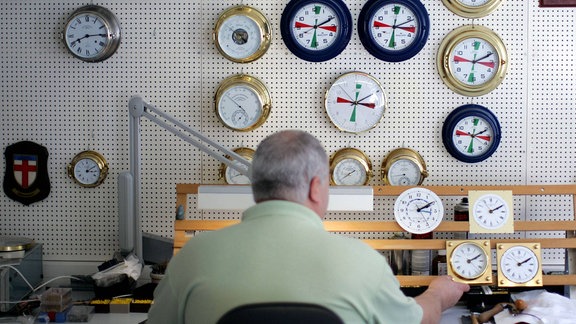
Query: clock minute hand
{"x": 425, "y": 206}
{"x": 474, "y": 258}
{"x": 483, "y": 57}
{"x": 495, "y": 209}
{"x": 521, "y": 263}
{"x": 324, "y": 22}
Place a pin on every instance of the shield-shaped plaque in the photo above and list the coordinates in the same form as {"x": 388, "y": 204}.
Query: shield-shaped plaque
{"x": 26, "y": 179}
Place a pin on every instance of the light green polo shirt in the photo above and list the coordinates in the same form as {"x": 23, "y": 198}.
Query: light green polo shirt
{"x": 279, "y": 252}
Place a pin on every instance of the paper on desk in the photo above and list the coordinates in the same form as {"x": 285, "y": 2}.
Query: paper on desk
{"x": 544, "y": 307}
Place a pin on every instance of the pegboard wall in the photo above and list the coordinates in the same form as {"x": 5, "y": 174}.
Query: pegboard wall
{"x": 168, "y": 57}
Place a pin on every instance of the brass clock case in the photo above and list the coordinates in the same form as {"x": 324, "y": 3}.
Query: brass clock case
{"x": 446, "y": 54}
{"x": 481, "y": 275}
{"x": 461, "y": 8}
{"x": 403, "y": 154}
{"x": 519, "y": 264}
{"x": 354, "y": 154}
{"x": 242, "y": 85}
{"x": 244, "y": 152}
{"x": 249, "y": 25}
{"x": 93, "y": 158}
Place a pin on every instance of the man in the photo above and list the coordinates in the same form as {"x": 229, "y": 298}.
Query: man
{"x": 281, "y": 252}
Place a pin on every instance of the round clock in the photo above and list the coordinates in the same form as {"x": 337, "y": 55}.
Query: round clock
{"x": 471, "y": 133}
{"x": 230, "y": 175}
{"x": 350, "y": 167}
{"x": 92, "y": 33}
{"x": 88, "y": 169}
{"x": 469, "y": 261}
{"x": 418, "y": 210}
{"x": 472, "y": 60}
{"x": 490, "y": 211}
{"x": 355, "y": 102}
{"x": 393, "y": 30}
{"x": 242, "y": 34}
{"x": 404, "y": 167}
{"x": 519, "y": 264}
{"x": 316, "y": 30}
{"x": 242, "y": 102}
{"x": 472, "y": 8}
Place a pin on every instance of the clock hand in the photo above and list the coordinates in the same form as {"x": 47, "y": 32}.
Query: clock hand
{"x": 314, "y": 41}
{"x": 483, "y": 57}
{"x": 410, "y": 29}
{"x": 425, "y": 206}
{"x": 88, "y": 35}
{"x": 521, "y": 263}
{"x": 495, "y": 209}
{"x": 234, "y": 101}
{"x": 474, "y": 258}
{"x": 349, "y": 174}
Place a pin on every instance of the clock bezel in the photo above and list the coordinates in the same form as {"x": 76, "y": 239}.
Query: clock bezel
{"x": 97, "y": 158}
{"x": 535, "y": 281}
{"x": 485, "y": 277}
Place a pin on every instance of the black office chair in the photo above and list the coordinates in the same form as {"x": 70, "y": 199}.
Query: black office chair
{"x": 280, "y": 313}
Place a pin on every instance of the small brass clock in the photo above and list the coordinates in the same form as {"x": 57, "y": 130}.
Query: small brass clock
{"x": 472, "y": 8}
{"x": 92, "y": 33}
{"x": 230, "y": 175}
{"x": 472, "y": 60}
{"x": 350, "y": 167}
{"x": 469, "y": 261}
{"x": 404, "y": 167}
{"x": 242, "y": 102}
{"x": 242, "y": 34}
{"x": 519, "y": 264}
{"x": 88, "y": 169}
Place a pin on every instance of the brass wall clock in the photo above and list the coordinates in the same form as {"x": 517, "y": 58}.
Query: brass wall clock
{"x": 404, "y": 167}
{"x": 242, "y": 34}
{"x": 471, "y": 133}
{"x": 393, "y": 30}
{"x": 355, "y": 102}
{"x": 472, "y": 8}
{"x": 92, "y": 33}
{"x": 350, "y": 167}
{"x": 242, "y": 102}
{"x": 316, "y": 30}
{"x": 469, "y": 261}
{"x": 418, "y": 210}
{"x": 230, "y": 175}
{"x": 472, "y": 60}
{"x": 519, "y": 264}
{"x": 88, "y": 169}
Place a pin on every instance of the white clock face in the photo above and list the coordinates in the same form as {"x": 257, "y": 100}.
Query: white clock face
{"x": 474, "y": 3}
{"x": 519, "y": 264}
{"x": 87, "y": 171}
{"x": 469, "y": 260}
{"x": 355, "y": 102}
{"x": 87, "y": 35}
{"x": 315, "y": 26}
{"x": 239, "y": 36}
{"x": 474, "y": 61}
{"x": 491, "y": 211}
{"x": 240, "y": 107}
{"x": 404, "y": 172}
{"x": 393, "y": 27}
{"x": 473, "y": 136}
{"x": 418, "y": 210}
{"x": 350, "y": 172}
{"x": 234, "y": 177}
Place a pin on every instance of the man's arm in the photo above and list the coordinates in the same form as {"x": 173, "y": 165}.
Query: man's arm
{"x": 442, "y": 293}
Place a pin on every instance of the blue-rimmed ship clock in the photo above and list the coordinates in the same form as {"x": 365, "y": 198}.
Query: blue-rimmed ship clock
{"x": 393, "y": 30}
{"x": 471, "y": 133}
{"x": 316, "y": 30}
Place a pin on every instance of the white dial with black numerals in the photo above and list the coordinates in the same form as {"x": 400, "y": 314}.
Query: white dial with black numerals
{"x": 490, "y": 211}
{"x": 418, "y": 210}
{"x": 519, "y": 264}
{"x": 468, "y": 260}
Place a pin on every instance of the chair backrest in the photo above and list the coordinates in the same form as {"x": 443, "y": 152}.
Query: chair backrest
{"x": 280, "y": 313}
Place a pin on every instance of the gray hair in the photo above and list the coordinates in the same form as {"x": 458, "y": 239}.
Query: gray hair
{"x": 285, "y": 163}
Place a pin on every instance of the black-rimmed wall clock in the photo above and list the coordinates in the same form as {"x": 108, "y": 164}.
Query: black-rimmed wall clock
{"x": 393, "y": 30}
{"x": 316, "y": 30}
{"x": 471, "y": 133}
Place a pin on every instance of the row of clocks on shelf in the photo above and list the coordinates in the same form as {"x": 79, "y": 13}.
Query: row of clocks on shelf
{"x": 518, "y": 264}
{"x": 419, "y": 210}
